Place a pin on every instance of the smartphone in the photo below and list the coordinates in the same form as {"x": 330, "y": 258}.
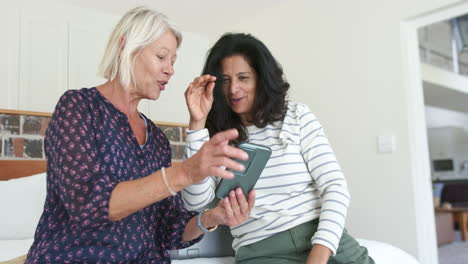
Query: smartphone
{"x": 254, "y": 165}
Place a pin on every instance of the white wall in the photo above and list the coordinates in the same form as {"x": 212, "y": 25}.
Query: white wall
{"x": 439, "y": 117}
{"x": 52, "y": 46}
{"x": 9, "y": 25}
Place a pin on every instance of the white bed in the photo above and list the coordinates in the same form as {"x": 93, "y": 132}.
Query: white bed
{"x": 382, "y": 253}
{"x": 23, "y": 200}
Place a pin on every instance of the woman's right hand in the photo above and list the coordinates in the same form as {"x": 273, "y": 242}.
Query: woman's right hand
{"x": 199, "y": 99}
{"x": 213, "y": 158}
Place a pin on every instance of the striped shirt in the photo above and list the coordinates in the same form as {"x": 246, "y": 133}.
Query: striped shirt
{"x": 302, "y": 181}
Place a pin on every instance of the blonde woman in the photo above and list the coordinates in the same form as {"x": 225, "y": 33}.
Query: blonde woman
{"x": 112, "y": 194}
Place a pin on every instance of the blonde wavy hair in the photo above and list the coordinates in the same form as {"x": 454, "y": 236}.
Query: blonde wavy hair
{"x": 137, "y": 29}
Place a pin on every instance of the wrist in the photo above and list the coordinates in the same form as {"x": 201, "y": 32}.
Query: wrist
{"x": 208, "y": 221}
{"x": 184, "y": 171}
{"x": 320, "y": 253}
{"x": 197, "y": 124}
{"x": 166, "y": 182}
{"x": 177, "y": 178}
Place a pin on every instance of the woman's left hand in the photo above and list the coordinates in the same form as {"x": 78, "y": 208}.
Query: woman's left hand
{"x": 234, "y": 209}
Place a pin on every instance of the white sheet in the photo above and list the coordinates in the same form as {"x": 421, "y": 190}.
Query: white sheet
{"x": 382, "y": 253}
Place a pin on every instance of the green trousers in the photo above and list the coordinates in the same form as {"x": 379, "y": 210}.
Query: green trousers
{"x": 293, "y": 246}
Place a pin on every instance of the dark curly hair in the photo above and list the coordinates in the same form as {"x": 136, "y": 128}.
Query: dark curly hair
{"x": 270, "y": 103}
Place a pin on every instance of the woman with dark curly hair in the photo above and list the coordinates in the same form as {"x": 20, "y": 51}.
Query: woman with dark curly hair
{"x": 301, "y": 197}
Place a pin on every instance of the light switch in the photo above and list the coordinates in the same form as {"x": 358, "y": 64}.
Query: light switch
{"x": 386, "y": 144}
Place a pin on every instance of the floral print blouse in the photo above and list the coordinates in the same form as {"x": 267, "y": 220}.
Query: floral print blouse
{"x": 90, "y": 148}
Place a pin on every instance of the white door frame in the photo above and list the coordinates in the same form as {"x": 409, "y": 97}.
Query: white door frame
{"x": 419, "y": 154}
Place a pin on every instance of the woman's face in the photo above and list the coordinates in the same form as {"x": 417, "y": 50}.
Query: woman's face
{"x": 239, "y": 85}
{"x": 153, "y": 66}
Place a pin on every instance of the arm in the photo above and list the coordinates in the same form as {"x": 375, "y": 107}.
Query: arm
{"x": 131, "y": 196}
{"x": 73, "y": 162}
{"x": 93, "y": 199}
{"x": 198, "y": 195}
{"x": 199, "y": 99}
{"x": 326, "y": 173}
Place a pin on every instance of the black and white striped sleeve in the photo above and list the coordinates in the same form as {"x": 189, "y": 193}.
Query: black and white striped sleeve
{"x": 328, "y": 177}
{"x": 197, "y": 196}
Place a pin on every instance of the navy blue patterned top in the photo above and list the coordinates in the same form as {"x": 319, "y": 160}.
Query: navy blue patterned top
{"x": 90, "y": 148}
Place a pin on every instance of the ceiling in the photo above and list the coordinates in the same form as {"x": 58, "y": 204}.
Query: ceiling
{"x": 444, "y": 97}
{"x": 211, "y": 15}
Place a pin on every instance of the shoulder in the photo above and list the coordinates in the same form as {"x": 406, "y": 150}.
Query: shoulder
{"x": 73, "y": 99}
{"x": 72, "y": 113}
{"x": 299, "y": 111}
{"x": 80, "y": 94}
{"x": 297, "y": 117}
{"x": 74, "y": 106}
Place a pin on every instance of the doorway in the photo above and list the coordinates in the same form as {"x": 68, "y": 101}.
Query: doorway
{"x": 444, "y": 69}
{"x": 424, "y": 209}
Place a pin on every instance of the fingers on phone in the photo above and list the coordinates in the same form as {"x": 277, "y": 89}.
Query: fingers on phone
{"x": 221, "y": 172}
{"x": 234, "y": 203}
{"x": 232, "y": 152}
{"x": 227, "y": 207}
{"x": 251, "y": 199}
{"x": 226, "y": 154}
{"x": 242, "y": 201}
{"x": 233, "y": 165}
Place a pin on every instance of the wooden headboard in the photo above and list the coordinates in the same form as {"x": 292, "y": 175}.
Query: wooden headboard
{"x": 17, "y": 168}
{"x": 11, "y": 169}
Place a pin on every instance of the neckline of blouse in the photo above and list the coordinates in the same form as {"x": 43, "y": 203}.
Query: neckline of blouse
{"x": 122, "y": 115}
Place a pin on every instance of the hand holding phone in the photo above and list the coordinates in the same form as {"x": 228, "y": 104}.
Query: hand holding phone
{"x": 246, "y": 180}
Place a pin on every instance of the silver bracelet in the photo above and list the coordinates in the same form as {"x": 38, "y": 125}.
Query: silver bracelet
{"x": 163, "y": 171}
{"x": 200, "y": 225}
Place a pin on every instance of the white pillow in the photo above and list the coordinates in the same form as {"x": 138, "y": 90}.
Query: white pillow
{"x": 21, "y": 205}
